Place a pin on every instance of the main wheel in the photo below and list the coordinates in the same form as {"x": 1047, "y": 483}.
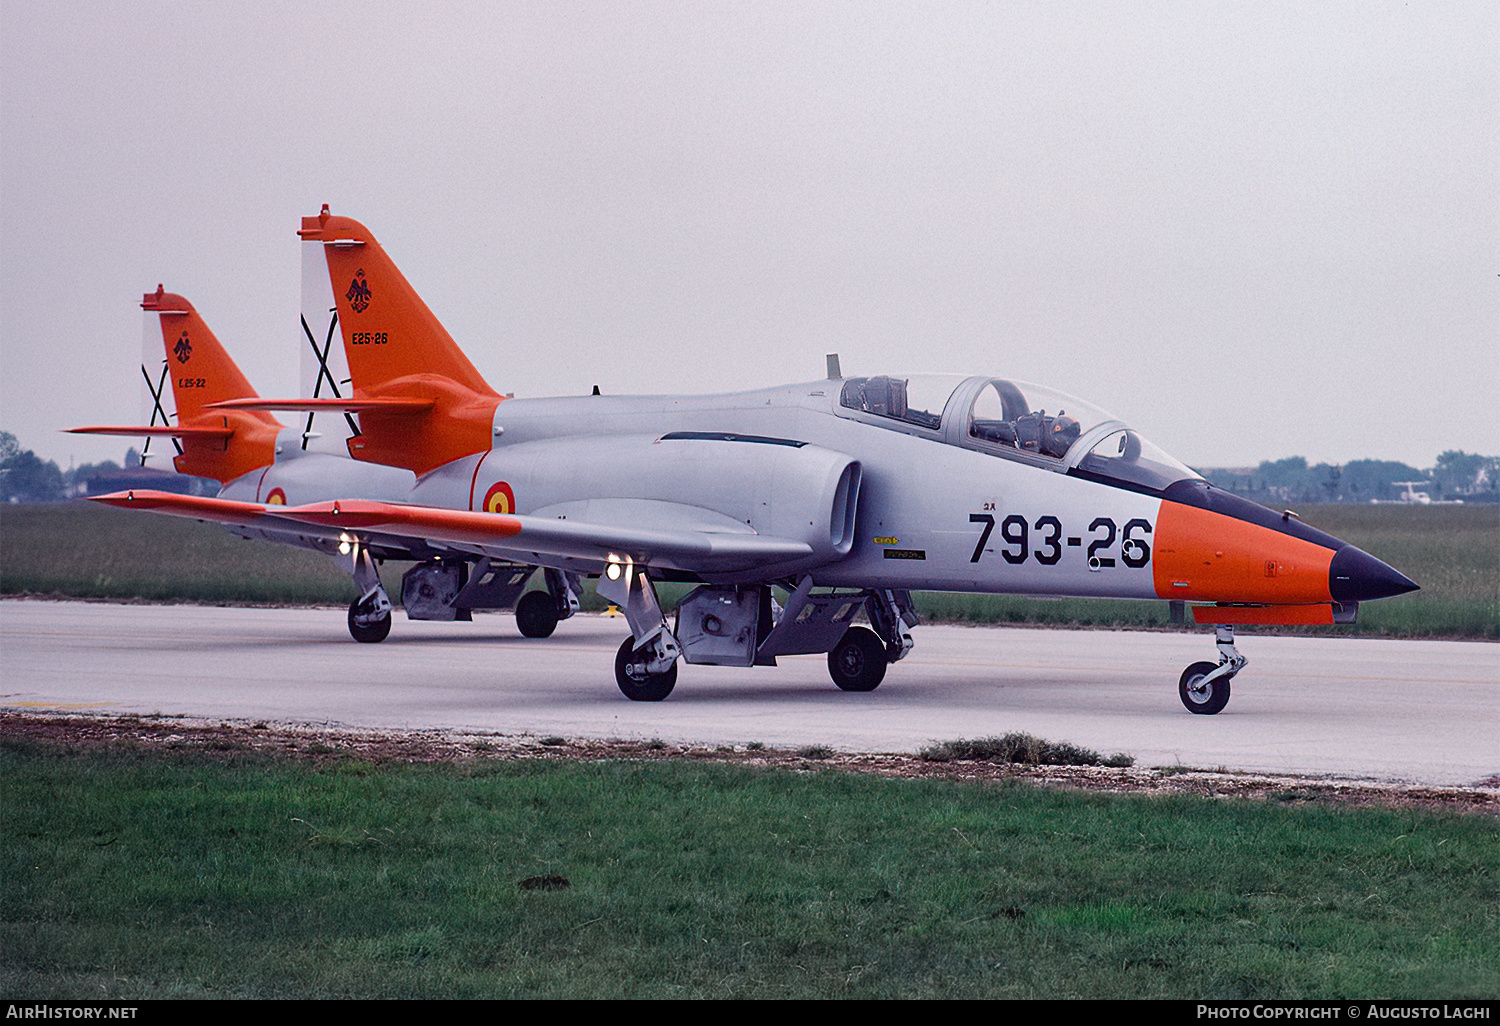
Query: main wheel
{"x": 635, "y": 683}
{"x": 1201, "y": 699}
{"x": 536, "y": 614}
{"x": 857, "y": 662}
{"x": 370, "y": 632}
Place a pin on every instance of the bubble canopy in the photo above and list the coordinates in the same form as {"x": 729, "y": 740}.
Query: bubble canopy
{"x": 1017, "y": 420}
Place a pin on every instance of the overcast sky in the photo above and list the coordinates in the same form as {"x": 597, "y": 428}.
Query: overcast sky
{"x": 1253, "y": 230}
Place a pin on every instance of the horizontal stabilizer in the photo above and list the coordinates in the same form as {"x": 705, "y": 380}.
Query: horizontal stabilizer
{"x": 159, "y": 430}
{"x": 392, "y": 404}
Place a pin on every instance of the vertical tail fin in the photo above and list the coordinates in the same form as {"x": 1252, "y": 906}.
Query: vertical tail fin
{"x": 184, "y": 368}
{"x": 395, "y": 348}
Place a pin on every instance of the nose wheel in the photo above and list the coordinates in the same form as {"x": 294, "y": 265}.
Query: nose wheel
{"x": 1199, "y": 693}
{"x": 1204, "y": 687}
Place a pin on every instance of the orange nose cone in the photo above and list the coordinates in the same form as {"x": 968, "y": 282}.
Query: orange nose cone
{"x": 1209, "y": 556}
{"x": 1216, "y": 547}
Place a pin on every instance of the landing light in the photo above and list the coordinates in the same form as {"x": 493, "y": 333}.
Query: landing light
{"x": 346, "y": 544}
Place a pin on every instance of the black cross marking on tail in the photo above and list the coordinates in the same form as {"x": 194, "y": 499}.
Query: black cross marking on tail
{"x": 324, "y": 372}
{"x": 157, "y": 391}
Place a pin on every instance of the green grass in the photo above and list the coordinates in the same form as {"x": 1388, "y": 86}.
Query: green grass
{"x": 131, "y": 874}
{"x": 1453, "y": 552}
{"x": 85, "y": 550}
{"x": 89, "y": 551}
{"x": 1020, "y": 748}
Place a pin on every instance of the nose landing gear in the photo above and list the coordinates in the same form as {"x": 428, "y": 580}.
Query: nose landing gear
{"x": 1204, "y": 687}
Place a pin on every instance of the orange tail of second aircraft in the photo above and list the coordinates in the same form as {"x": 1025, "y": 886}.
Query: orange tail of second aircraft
{"x": 184, "y": 366}
{"x": 422, "y": 403}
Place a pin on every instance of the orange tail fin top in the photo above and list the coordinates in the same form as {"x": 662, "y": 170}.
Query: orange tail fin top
{"x": 200, "y": 372}
{"x": 396, "y": 348}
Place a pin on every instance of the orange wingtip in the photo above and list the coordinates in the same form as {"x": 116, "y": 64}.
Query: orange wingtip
{"x": 178, "y": 432}
{"x": 183, "y": 505}
{"x": 395, "y": 404}
{"x": 1281, "y": 616}
{"x": 367, "y": 514}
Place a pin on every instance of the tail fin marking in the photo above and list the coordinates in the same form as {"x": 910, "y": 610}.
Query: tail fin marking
{"x": 181, "y": 352}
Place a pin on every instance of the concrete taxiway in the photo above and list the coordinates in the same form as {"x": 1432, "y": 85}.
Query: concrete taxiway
{"x": 1420, "y": 711}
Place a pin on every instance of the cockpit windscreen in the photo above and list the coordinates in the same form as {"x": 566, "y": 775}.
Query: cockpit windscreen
{"x": 1018, "y": 420}
{"x": 1017, "y": 416}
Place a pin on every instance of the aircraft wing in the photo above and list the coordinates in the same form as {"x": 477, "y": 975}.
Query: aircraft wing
{"x": 543, "y": 540}
{"x": 527, "y": 539}
{"x": 262, "y": 518}
{"x": 223, "y": 511}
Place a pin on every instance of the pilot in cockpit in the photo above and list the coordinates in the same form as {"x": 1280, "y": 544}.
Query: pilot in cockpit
{"x": 1034, "y": 432}
{"x": 1058, "y": 434}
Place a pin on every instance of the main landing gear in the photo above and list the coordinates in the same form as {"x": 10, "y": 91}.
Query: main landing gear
{"x": 1204, "y": 687}
{"x": 450, "y": 589}
{"x": 367, "y": 623}
{"x": 370, "y": 614}
{"x": 635, "y": 678}
{"x": 538, "y": 612}
{"x": 857, "y": 662}
{"x": 646, "y": 665}
{"x": 729, "y": 625}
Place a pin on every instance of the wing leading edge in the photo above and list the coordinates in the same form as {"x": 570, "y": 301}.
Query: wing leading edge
{"x": 515, "y": 537}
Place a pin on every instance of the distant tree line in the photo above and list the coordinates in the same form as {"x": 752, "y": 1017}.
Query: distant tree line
{"x": 1458, "y": 475}
{"x": 26, "y": 477}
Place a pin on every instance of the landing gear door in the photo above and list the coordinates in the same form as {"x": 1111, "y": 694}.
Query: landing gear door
{"x": 718, "y": 626}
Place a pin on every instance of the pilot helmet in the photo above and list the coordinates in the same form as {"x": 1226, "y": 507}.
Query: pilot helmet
{"x": 1059, "y": 434}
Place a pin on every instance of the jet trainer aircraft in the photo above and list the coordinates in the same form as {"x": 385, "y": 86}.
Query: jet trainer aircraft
{"x": 845, "y": 493}
{"x": 186, "y": 371}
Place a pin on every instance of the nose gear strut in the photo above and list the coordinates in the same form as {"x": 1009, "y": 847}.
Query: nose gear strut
{"x": 1204, "y": 687}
